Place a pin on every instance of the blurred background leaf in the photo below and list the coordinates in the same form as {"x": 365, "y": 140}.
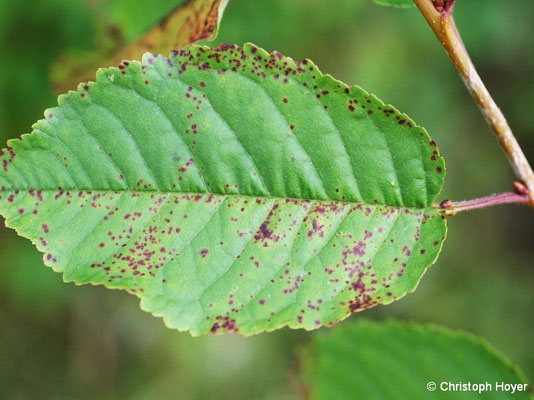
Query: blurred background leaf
{"x": 396, "y": 3}
{"x": 396, "y": 361}
{"x": 123, "y": 34}
{"x": 60, "y": 341}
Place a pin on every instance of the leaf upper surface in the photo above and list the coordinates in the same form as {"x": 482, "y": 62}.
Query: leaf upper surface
{"x": 230, "y": 189}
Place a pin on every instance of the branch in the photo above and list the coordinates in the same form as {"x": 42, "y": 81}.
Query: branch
{"x": 438, "y": 14}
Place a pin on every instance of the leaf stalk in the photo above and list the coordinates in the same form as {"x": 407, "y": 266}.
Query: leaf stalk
{"x": 450, "y": 208}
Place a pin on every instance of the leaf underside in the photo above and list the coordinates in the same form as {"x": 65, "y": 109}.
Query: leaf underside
{"x": 230, "y": 189}
{"x": 394, "y": 360}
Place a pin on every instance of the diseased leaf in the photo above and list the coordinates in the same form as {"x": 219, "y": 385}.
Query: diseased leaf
{"x": 192, "y": 21}
{"x": 393, "y": 360}
{"x": 134, "y": 18}
{"x": 396, "y": 3}
{"x": 230, "y": 189}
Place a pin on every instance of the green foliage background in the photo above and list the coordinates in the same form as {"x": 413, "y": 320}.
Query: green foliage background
{"x": 60, "y": 341}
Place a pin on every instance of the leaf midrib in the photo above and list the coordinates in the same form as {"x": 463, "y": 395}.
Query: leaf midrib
{"x": 252, "y": 196}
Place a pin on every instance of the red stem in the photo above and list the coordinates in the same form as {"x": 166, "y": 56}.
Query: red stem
{"x": 452, "y": 207}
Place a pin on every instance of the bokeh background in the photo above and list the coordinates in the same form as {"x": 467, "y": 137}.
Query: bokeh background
{"x": 59, "y": 341}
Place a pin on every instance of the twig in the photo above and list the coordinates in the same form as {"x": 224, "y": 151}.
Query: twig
{"x": 438, "y": 14}
{"x": 449, "y": 207}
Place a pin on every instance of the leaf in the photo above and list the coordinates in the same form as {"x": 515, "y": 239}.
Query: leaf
{"x": 396, "y": 3}
{"x": 229, "y": 189}
{"x": 393, "y": 360}
{"x": 192, "y": 21}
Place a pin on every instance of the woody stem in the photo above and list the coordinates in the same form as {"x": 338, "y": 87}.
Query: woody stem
{"x": 440, "y": 19}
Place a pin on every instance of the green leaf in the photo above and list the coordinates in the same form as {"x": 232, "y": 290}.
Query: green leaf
{"x": 394, "y": 360}
{"x": 190, "y": 22}
{"x": 229, "y": 189}
{"x": 396, "y": 3}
